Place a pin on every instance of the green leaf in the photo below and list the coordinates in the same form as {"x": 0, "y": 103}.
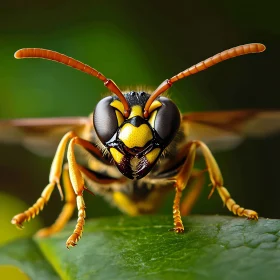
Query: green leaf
{"x": 9, "y": 206}
{"x": 25, "y": 255}
{"x": 213, "y": 247}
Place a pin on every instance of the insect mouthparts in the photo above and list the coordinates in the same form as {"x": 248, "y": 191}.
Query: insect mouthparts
{"x": 134, "y": 128}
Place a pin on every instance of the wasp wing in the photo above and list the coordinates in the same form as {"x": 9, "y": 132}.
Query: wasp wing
{"x": 227, "y": 129}
{"x": 42, "y": 135}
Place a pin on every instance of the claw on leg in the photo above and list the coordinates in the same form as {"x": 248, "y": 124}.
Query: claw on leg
{"x": 250, "y": 214}
{"x": 34, "y": 210}
{"x": 78, "y": 231}
{"x": 54, "y": 180}
{"x": 18, "y": 220}
{"x": 179, "y": 228}
{"x": 234, "y": 207}
{"x": 182, "y": 179}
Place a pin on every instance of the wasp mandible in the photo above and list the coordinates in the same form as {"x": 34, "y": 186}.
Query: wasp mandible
{"x": 138, "y": 146}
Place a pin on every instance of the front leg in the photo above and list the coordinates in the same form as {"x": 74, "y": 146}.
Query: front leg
{"x": 78, "y": 184}
{"x": 54, "y": 180}
{"x": 182, "y": 178}
{"x": 77, "y": 174}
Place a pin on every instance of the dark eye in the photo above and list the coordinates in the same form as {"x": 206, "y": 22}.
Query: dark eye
{"x": 167, "y": 120}
{"x": 105, "y": 119}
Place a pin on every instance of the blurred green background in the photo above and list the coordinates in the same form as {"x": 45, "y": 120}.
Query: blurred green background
{"x": 139, "y": 43}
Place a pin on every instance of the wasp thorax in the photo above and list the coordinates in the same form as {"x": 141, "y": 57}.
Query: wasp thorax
{"x": 135, "y": 142}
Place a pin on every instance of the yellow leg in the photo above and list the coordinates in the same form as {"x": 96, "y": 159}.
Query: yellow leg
{"x": 77, "y": 181}
{"x": 216, "y": 178}
{"x": 78, "y": 184}
{"x": 181, "y": 180}
{"x": 68, "y": 208}
{"x": 54, "y": 180}
{"x": 198, "y": 180}
{"x": 74, "y": 187}
{"x": 217, "y": 182}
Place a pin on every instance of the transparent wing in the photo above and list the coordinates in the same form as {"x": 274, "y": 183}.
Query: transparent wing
{"x": 227, "y": 129}
{"x": 42, "y": 135}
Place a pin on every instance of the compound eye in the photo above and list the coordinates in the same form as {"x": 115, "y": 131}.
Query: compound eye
{"x": 167, "y": 120}
{"x": 105, "y": 119}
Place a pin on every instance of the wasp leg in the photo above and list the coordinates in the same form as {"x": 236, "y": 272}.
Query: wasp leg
{"x": 216, "y": 179}
{"x": 198, "y": 180}
{"x": 78, "y": 184}
{"x": 181, "y": 180}
{"x": 217, "y": 183}
{"x": 54, "y": 180}
{"x": 67, "y": 210}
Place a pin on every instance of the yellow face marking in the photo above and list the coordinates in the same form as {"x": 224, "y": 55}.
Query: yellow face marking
{"x": 136, "y": 110}
{"x": 156, "y": 104}
{"x": 135, "y": 136}
{"x": 118, "y": 105}
{"x": 152, "y": 155}
{"x": 116, "y": 155}
{"x": 119, "y": 117}
{"x": 152, "y": 118}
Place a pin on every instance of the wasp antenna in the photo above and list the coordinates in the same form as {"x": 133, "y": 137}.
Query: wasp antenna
{"x": 69, "y": 61}
{"x": 227, "y": 54}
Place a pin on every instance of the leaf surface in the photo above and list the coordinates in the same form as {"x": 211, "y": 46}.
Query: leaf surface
{"x": 213, "y": 247}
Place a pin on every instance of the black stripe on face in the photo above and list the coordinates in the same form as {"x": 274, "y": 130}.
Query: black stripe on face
{"x": 137, "y": 121}
{"x": 125, "y": 167}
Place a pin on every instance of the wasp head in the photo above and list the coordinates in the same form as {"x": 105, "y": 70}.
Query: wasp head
{"x": 135, "y": 142}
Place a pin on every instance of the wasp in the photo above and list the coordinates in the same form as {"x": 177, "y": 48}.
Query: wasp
{"x": 135, "y": 147}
